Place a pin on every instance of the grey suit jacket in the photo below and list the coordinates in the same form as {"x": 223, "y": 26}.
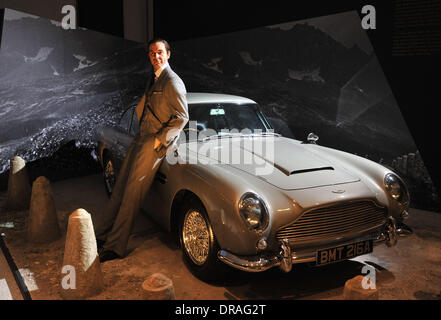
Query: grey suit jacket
{"x": 165, "y": 111}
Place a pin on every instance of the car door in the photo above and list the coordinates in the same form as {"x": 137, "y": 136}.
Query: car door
{"x": 120, "y": 137}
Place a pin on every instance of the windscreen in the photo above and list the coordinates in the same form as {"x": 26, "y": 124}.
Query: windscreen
{"x": 228, "y": 116}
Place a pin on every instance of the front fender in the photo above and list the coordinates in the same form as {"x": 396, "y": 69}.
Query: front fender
{"x": 370, "y": 173}
{"x": 220, "y": 188}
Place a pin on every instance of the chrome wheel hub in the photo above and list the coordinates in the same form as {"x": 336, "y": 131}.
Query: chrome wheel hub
{"x": 196, "y": 237}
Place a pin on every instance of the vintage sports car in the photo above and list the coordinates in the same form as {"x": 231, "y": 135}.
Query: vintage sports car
{"x": 316, "y": 204}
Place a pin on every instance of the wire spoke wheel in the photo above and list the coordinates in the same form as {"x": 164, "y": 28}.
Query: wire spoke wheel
{"x": 109, "y": 176}
{"x": 198, "y": 241}
{"x": 196, "y": 237}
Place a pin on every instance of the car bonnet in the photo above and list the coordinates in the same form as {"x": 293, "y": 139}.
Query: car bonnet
{"x": 285, "y": 163}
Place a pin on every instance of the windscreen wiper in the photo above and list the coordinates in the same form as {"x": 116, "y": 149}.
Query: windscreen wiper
{"x": 235, "y": 135}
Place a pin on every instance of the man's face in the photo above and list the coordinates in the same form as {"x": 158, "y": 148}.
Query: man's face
{"x": 158, "y": 55}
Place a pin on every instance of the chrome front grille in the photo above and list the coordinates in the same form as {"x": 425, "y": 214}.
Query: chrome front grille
{"x": 337, "y": 220}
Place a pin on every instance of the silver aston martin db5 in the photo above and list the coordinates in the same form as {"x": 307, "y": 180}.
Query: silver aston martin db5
{"x": 233, "y": 191}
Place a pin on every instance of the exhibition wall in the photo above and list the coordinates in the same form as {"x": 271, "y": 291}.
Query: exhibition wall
{"x": 57, "y": 85}
{"x": 318, "y": 75}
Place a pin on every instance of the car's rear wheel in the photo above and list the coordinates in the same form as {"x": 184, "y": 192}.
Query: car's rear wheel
{"x": 109, "y": 175}
{"x": 198, "y": 241}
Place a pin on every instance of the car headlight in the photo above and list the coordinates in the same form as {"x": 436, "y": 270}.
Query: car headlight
{"x": 254, "y": 212}
{"x": 396, "y": 188}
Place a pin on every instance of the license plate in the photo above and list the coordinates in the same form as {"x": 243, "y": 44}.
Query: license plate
{"x": 340, "y": 253}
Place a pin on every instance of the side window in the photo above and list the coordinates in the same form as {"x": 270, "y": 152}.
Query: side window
{"x": 126, "y": 119}
{"x": 134, "y": 129}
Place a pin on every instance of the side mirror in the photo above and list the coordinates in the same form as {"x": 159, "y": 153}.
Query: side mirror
{"x": 312, "y": 138}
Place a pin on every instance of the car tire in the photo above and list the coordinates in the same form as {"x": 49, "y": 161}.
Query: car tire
{"x": 198, "y": 241}
{"x": 109, "y": 175}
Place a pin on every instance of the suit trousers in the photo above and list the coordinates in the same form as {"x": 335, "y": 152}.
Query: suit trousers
{"x": 134, "y": 180}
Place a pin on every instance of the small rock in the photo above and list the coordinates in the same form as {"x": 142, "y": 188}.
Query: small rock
{"x": 158, "y": 287}
{"x": 354, "y": 290}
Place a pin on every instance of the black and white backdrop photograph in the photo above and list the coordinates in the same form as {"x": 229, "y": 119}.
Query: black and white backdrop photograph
{"x": 368, "y": 90}
{"x": 318, "y": 75}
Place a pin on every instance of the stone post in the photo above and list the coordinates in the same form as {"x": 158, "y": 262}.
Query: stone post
{"x": 43, "y": 221}
{"x": 81, "y": 275}
{"x": 19, "y": 188}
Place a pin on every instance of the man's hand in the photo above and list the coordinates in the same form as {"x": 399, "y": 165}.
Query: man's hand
{"x": 157, "y": 144}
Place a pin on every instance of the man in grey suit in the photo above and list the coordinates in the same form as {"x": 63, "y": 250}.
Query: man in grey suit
{"x": 162, "y": 114}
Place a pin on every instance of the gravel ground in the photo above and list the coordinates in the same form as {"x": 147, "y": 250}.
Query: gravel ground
{"x": 410, "y": 270}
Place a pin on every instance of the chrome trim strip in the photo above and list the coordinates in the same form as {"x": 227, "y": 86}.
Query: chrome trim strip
{"x": 248, "y": 263}
{"x": 261, "y": 263}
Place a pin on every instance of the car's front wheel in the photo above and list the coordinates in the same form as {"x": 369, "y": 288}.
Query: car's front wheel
{"x": 198, "y": 241}
{"x": 109, "y": 175}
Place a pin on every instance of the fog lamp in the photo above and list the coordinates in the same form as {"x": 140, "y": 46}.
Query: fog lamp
{"x": 262, "y": 244}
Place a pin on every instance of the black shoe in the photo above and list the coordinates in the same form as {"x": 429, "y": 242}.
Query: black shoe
{"x": 99, "y": 243}
{"x": 107, "y": 255}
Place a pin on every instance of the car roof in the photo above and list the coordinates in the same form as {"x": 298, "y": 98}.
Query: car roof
{"x": 200, "y": 97}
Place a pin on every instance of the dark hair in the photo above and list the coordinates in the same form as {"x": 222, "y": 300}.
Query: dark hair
{"x": 154, "y": 40}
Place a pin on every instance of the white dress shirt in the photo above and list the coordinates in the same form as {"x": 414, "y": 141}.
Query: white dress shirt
{"x": 159, "y": 71}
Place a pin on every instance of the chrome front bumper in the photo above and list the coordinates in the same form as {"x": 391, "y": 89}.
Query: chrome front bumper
{"x": 285, "y": 258}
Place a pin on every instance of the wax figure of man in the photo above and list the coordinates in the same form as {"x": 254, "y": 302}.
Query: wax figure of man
{"x": 162, "y": 114}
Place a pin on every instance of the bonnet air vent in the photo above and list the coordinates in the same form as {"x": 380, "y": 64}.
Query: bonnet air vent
{"x": 311, "y": 170}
